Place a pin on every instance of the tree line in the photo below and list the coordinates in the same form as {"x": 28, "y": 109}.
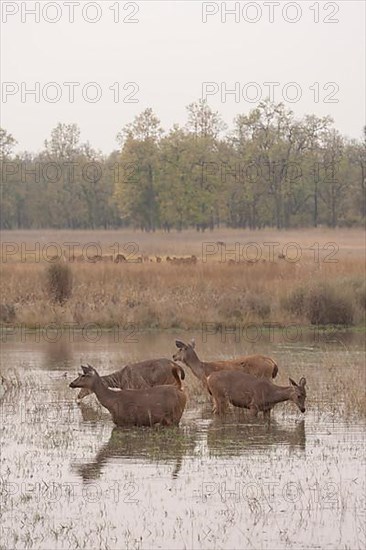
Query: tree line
{"x": 269, "y": 170}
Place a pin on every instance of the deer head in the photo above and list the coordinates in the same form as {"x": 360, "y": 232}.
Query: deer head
{"x": 184, "y": 351}
{"x": 298, "y": 395}
{"x": 86, "y": 379}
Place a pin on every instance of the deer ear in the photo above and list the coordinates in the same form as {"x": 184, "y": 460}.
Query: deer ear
{"x": 292, "y": 382}
{"x": 193, "y": 343}
{"x": 87, "y": 369}
{"x": 180, "y": 344}
{"x": 302, "y": 381}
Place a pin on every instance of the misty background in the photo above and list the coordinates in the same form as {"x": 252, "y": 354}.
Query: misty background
{"x": 169, "y": 53}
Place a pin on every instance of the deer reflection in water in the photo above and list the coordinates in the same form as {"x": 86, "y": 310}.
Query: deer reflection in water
{"x": 225, "y": 438}
{"x": 228, "y": 439}
{"x": 155, "y": 445}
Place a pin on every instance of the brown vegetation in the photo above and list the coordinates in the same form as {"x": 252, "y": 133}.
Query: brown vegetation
{"x": 59, "y": 282}
{"x": 164, "y": 295}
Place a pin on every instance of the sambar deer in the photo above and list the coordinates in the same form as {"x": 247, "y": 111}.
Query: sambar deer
{"x": 258, "y": 365}
{"x": 256, "y": 394}
{"x": 162, "y": 405}
{"x": 145, "y": 374}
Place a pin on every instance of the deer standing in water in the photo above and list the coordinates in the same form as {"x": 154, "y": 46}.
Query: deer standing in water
{"x": 162, "y": 405}
{"x": 256, "y": 394}
{"x": 257, "y": 365}
{"x": 145, "y": 374}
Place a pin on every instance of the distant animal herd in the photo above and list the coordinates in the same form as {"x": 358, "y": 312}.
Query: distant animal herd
{"x": 151, "y": 392}
{"x": 143, "y": 259}
{"x": 122, "y": 258}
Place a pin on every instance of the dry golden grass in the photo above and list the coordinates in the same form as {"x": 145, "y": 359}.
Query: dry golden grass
{"x": 160, "y": 295}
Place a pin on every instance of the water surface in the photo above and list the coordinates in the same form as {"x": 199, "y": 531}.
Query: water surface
{"x": 71, "y": 479}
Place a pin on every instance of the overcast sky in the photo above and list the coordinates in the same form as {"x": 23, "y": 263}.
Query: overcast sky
{"x": 168, "y": 53}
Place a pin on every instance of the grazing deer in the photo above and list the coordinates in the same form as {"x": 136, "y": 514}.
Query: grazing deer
{"x": 249, "y": 392}
{"x": 190, "y": 260}
{"x": 162, "y": 405}
{"x": 257, "y": 365}
{"x": 119, "y": 258}
{"x": 145, "y": 374}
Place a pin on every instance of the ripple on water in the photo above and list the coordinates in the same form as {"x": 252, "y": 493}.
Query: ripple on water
{"x": 211, "y": 483}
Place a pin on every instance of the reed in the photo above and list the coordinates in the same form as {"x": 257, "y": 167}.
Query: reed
{"x": 163, "y": 295}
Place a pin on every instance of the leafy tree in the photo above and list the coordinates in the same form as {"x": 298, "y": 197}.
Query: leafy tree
{"x": 136, "y": 190}
{"x": 271, "y": 169}
{"x": 203, "y": 121}
{"x": 64, "y": 142}
{"x": 356, "y": 154}
{"x": 145, "y": 127}
{"x": 7, "y": 144}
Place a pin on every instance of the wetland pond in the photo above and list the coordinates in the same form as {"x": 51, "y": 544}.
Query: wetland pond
{"x": 70, "y": 479}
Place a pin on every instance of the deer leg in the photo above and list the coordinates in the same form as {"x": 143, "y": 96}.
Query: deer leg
{"x": 253, "y": 411}
{"x": 267, "y": 415}
{"x": 216, "y": 407}
{"x": 219, "y": 406}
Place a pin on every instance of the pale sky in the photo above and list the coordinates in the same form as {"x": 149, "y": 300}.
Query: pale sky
{"x": 169, "y": 53}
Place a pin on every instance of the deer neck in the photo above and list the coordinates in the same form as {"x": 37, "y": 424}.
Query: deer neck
{"x": 281, "y": 393}
{"x": 195, "y": 365}
{"x": 103, "y": 393}
{"x": 113, "y": 380}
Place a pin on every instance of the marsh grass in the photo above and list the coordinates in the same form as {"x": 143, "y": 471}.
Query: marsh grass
{"x": 332, "y": 302}
{"x": 160, "y": 295}
{"x": 165, "y": 296}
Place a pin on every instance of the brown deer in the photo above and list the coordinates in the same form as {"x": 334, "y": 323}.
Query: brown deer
{"x": 145, "y": 374}
{"x": 249, "y": 392}
{"x": 257, "y": 365}
{"x": 162, "y": 405}
{"x": 190, "y": 260}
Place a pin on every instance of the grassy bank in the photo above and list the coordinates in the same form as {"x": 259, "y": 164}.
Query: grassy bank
{"x": 160, "y": 295}
{"x": 312, "y": 276}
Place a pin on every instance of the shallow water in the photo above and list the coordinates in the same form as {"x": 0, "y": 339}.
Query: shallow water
{"x": 70, "y": 479}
